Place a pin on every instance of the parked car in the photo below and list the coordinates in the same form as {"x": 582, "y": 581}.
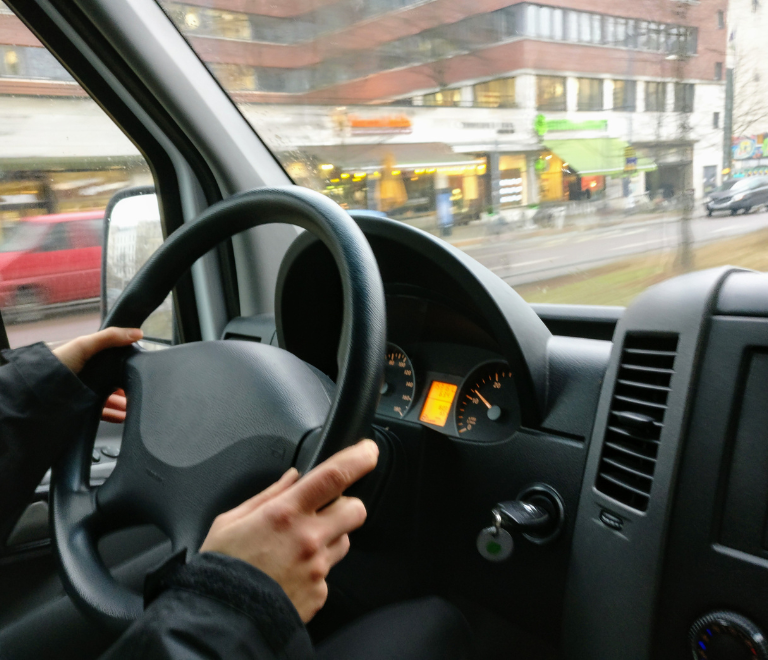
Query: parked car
{"x": 741, "y": 195}
{"x": 50, "y": 259}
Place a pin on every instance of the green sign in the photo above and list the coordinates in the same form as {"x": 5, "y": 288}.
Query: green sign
{"x": 541, "y": 165}
{"x": 542, "y": 125}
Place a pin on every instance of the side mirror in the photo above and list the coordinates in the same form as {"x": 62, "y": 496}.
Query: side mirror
{"x": 132, "y": 232}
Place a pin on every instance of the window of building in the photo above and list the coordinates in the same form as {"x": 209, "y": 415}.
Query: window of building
{"x": 609, "y": 38}
{"x": 590, "y": 95}
{"x": 585, "y": 27}
{"x": 557, "y": 24}
{"x": 684, "y": 97}
{"x": 642, "y": 35}
{"x": 655, "y": 96}
{"x": 720, "y": 19}
{"x": 445, "y": 98}
{"x": 550, "y": 93}
{"x": 11, "y": 62}
{"x": 498, "y": 93}
{"x": 572, "y": 26}
{"x": 624, "y": 95}
{"x": 715, "y": 120}
{"x": 237, "y": 77}
{"x": 718, "y": 70}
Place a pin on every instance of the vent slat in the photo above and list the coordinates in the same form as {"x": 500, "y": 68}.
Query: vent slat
{"x": 620, "y": 483}
{"x": 632, "y": 437}
{"x": 632, "y": 471}
{"x": 640, "y": 402}
{"x": 650, "y": 370}
{"x": 629, "y": 452}
{"x": 645, "y": 351}
{"x": 659, "y": 388}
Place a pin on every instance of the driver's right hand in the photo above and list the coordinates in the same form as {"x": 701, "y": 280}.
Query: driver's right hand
{"x": 297, "y": 529}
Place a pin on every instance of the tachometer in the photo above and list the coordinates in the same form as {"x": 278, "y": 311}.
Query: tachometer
{"x": 397, "y": 392}
{"x": 488, "y": 408}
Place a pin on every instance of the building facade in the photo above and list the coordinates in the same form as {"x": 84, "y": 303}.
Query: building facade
{"x": 412, "y": 106}
{"x": 748, "y": 70}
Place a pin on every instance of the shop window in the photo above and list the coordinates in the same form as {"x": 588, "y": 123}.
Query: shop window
{"x": 235, "y": 77}
{"x": 684, "y": 97}
{"x": 715, "y": 120}
{"x": 720, "y": 19}
{"x": 624, "y": 95}
{"x": 498, "y": 93}
{"x": 718, "y": 70}
{"x": 590, "y": 95}
{"x": 445, "y": 98}
{"x": 655, "y": 96}
{"x": 550, "y": 93}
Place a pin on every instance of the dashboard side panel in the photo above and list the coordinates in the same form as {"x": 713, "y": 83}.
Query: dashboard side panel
{"x": 614, "y": 576}
{"x": 717, "y": 556}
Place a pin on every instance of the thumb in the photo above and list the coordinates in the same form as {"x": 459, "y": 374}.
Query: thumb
{"x": 76, "y": 353}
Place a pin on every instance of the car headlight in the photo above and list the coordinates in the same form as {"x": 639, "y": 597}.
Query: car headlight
{"x": 739, "y": 197}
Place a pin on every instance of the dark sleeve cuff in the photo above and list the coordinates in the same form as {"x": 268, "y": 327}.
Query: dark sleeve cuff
{"x": 46, "y": 376}
{"x": 241, "y": 587}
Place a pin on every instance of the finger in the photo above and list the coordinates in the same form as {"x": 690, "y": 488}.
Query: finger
{"x": 331, "y": 478}
{"x": 337, "y": 550}
{"x": 117, "y": 402}
{"x": 113, "y": 416}
{"x": 345, "y": 515}
{"x": 108, "y": 338}
{"x": 280, "y": 486}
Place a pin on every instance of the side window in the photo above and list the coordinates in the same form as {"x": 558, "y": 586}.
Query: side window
{"x": 56, "y": 239}
{"x": 61, "y": 161}
{"x": 85, "y": 233}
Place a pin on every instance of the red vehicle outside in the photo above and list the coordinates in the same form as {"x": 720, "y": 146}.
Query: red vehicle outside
{"x": 50, "y": 259}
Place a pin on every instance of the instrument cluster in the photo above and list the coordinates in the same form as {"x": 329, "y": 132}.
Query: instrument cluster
{"x": 476, "y": 402}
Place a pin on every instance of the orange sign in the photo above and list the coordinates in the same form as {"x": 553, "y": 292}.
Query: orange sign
{"x": 382, "y": 124}
{"x": 438, "y": 403}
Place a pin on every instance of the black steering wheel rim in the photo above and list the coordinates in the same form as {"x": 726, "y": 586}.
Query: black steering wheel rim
{"x": 75, "y": 514}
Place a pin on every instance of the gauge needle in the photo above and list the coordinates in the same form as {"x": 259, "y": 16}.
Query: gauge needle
{"x": 482, "y": 398}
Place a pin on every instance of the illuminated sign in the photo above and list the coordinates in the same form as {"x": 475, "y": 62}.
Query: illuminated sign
{"x": 438, "y": 403}
{"x": 382, "y": 124}
{"x": 542, "y": 125}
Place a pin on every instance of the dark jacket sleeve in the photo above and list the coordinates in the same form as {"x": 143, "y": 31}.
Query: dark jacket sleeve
{"x": 215, "y": 607}
{"x": 43, "y": 406}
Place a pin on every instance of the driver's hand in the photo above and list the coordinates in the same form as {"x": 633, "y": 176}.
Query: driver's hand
{"x": 76, "y": 353}
{"x": 297, "y": 529}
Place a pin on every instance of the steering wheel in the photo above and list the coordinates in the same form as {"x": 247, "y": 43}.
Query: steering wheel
{"x": 210, "y": 424}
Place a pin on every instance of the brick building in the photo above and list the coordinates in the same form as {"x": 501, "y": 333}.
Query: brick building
{"x": 390, "y": 104}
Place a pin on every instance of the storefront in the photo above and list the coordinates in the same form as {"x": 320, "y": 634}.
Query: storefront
{"x": 581, "y": 169}
{"x": 405, "y": 181}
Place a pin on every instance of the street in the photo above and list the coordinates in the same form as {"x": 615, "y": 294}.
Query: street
{"x": 518, "y": 257}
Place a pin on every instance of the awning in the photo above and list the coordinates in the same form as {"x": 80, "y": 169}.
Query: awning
{"x": 596, "y": 156}
{"x": 369, "y": 157}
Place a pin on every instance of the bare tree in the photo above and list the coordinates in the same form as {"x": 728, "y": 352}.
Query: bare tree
{"x": 750, "y": 110}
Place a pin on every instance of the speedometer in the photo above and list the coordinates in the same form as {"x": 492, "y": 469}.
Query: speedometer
{"x": 488, "y": 408}
{"x": 397, "y": 392}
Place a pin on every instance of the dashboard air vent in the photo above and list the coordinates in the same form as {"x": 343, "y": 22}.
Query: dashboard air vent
{"x": 636, "y": 418}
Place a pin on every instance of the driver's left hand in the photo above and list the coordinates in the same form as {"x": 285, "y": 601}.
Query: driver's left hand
{"x": 76, "y": 353}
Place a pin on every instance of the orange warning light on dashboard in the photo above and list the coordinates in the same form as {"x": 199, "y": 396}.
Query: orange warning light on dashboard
{"x": 438, "y": 403}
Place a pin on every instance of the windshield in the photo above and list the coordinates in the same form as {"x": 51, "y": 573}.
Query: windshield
{"x": 24, "y": 236}
{"x": 571, "y": 149}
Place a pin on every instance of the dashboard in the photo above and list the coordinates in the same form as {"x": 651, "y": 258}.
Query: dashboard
{"x": 461, "y": 390}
